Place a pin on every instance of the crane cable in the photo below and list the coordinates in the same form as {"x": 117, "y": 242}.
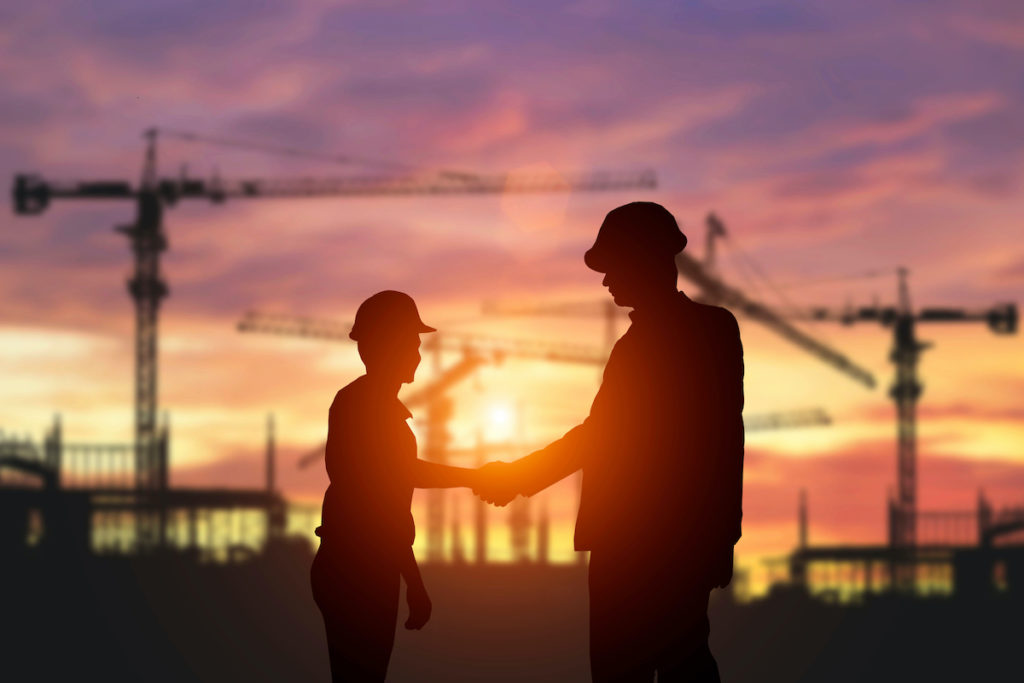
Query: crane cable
{"x": 296, "y": 152}
{"x": 755, "y": 268}
{"x": 860, "y": 275}
{"x": 750, "y": 269}
{"x": 758, "y": 271}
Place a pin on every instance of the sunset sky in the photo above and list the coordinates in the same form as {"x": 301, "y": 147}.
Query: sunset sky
{"x": 832, "y": 139}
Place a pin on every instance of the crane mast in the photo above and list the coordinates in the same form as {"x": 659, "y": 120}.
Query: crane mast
{"x": 147, "y": 289}
{"x": 905, "y": 354}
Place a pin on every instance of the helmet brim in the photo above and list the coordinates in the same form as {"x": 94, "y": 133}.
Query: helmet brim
{"x": 595, "y": 260}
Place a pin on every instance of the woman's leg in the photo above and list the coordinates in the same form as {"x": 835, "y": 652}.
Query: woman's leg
{"x": 359, "y": 604}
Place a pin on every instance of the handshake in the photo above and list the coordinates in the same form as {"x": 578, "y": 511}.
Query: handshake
{"x": 497, "y": 482}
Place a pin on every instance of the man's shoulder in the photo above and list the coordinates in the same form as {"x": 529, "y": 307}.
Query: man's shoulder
{"x": 350, "y": 394}
{"x": 724, "y": 318}
{"x": 713, "y": 315}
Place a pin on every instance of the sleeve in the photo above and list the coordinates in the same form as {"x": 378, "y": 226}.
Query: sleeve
{"x": 347, "y": 434}
{"x": 333, "y": 450}
{"x": 540, "y": 469}
{"x": 729, "y": 365}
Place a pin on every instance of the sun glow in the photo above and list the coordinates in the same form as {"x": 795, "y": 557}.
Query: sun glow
{"x": 500, "y": 421}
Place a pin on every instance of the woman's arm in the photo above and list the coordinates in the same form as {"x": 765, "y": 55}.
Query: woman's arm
{"x": 416, "y": 596}
{"x": 431, "y": 475}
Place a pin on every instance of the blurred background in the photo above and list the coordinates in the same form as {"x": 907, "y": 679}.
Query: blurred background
{"x": 303, "y": 155}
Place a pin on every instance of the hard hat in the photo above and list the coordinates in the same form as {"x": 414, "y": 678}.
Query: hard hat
{"x": 638, "y": 230}
{"x": 387, "y": 313}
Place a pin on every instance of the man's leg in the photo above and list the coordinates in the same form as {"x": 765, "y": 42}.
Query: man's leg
{"x": 353, "y": 661}
{"x": 698, "y": 667}
{"x": 620, "y": 651}
{"x": 684, "y": 653}
{"x": 647, "y": 614}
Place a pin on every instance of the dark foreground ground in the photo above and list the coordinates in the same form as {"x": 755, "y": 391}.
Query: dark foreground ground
{"x": 165, "y": 619}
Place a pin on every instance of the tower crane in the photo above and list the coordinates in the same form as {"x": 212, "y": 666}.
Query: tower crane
{"x": 301, "y": 326}
{"x": 714, "y": 290}
{"x": 476, "y": 349}
{"x": 906, "y": 389}
{"x": 905, "y": 354}
{"x": 153, "y": 194}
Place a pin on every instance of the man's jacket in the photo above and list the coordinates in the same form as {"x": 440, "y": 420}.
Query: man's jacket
{"x": 662, "y": 448}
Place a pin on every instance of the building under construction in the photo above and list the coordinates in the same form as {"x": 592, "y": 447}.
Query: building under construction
{"x": 78, "y": 499}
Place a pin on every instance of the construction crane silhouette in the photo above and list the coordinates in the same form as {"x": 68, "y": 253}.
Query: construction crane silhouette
{"x": 713, "y": 290}
{"x": 153, "y": 194}
{"x": 476, "y": 350}
{"x": 906, "y": 388}
{"x": 324, "y": 328}
{"x": 716, "y": 291}
{"x": 905, "y": 354}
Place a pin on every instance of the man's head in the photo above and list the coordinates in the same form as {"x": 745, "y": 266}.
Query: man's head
{"x": 387, "y": 331}
{"x": 636, "y": 248}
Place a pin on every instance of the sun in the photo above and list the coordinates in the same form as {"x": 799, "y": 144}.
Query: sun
{"x": 499, "y": 421}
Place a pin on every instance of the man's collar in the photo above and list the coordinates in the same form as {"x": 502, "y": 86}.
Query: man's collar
{"x": 657, "y": 308}
{"x": 391, "y": 401}
{"x": 401, "y": 410}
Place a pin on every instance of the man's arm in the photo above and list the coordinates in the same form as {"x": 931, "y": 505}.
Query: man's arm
{"x": 729, "y": 458}
{"x": 732, "y": 410}
{"x": 336, "y": 432}
{"x": 500, "y": 482}
{"x": 538, "y": 470}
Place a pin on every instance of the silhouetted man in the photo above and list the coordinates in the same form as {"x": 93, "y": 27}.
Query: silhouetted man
{"x": 662, "y": 460}
{"x": 367, "y": 528}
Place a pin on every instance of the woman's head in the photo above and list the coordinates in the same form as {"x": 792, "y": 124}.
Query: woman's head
{"x": 387, "y": 331}
{"x": 393, "y": 359}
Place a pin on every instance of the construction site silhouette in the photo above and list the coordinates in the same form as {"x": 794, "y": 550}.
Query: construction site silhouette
{"x": 111, "y": 572}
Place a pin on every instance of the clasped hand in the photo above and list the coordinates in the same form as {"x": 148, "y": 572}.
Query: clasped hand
{"x": 496, "y": 483}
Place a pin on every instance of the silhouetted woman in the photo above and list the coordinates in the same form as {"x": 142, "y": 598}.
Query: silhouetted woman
{"x": 367, "y": 528}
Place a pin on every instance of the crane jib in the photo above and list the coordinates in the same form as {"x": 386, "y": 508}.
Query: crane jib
{"x": 32, "y": 193}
